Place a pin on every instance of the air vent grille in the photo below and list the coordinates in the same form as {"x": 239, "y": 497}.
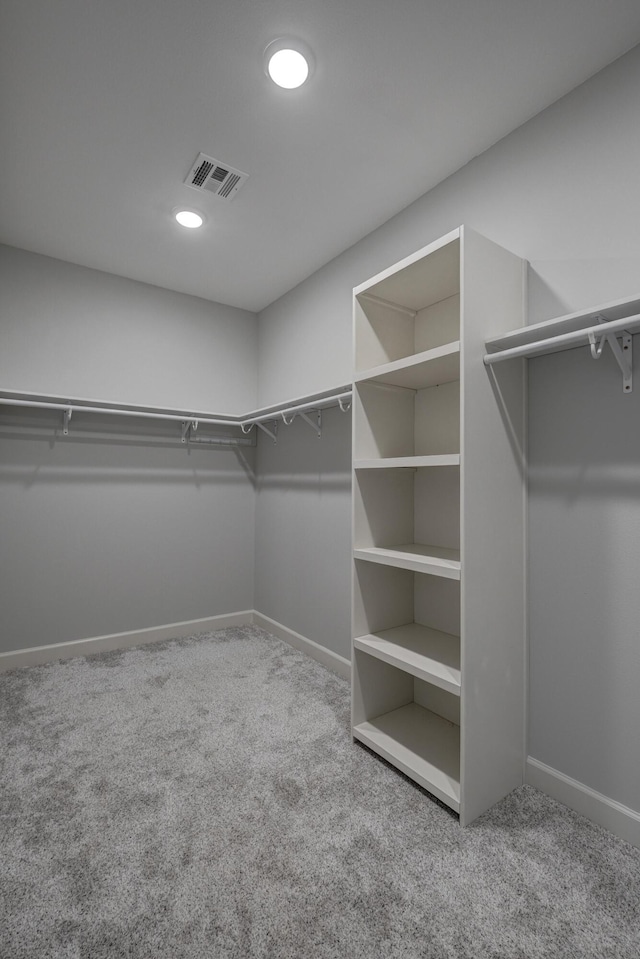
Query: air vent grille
{"x": 230, "y": 185}
{"x": 202, "y": 173}
{"x": 211, "y": 176}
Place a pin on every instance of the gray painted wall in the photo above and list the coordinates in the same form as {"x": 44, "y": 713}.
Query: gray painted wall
{"x": 560, "y": 191}
{"x": 69, "y": 329}
{"x": 118, "y": 533}
{"x": 563, "y": 192}
{"x": 584, "y": 548}
{"x": 303, "y": 530}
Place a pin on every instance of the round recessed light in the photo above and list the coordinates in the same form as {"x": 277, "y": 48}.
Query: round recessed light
{"x": 288, "y": 69}
{"x": 288, "y": 62}
{"x": 189, "y": 218}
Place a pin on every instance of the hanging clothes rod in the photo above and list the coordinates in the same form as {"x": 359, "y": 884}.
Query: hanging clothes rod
{"x": 221, "y": 441}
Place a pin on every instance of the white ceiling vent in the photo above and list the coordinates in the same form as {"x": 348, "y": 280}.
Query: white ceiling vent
{"x": 211, "y": 176}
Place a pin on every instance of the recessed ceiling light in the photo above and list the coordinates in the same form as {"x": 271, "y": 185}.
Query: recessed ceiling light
{"x": 288, "y": 62}
{"x": 189, "y": 218}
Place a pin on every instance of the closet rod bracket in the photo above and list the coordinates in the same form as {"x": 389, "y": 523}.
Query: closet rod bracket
{"x": 273, "y": 435}
{"x": 65, "y": 424}
{"x": 187, "y": 426}
{"x": 316, "y": 427}
{"x": 622, "y": 350}
{"x": 344, "y": 404}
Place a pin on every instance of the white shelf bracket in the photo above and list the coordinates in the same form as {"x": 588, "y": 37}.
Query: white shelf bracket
{"x": 317, "y": 428}
{"x": 288, "y": 422}
{"x": 246, "y": 429}
{"x": 622, "y": 351}
{"x": 274, "y": 434}
{"x": 187, "y": 426}
{"x": 344, "y": 404}
{"x": 65, "y": 424}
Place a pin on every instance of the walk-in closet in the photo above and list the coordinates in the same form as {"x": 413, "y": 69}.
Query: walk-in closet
{"x": 319, "y": 480}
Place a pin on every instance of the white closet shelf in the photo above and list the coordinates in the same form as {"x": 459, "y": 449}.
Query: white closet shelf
{"x": 320, "y": 400}
{"x": 419, "y": 371}
{"x": 421, "y": 744}
{"x": 426, "y": 653}
{"x": 420, "y": 558}
{"x": 189, "y": 418}
{"x": 564, "y": 332}
{"x": 427, "y": 276}
{"x": 408, "y": 462}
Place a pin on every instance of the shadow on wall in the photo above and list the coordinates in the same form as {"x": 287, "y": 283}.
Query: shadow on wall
{"x": 584, "y": 556}
{"x": 107, "y": 536}
{"x": 299, "y": 458}
{"x": 97, "y": 450}
{"x": 303, "y": 530}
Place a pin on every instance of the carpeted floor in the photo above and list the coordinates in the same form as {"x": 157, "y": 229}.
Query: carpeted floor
{"x": 202, "y": 799}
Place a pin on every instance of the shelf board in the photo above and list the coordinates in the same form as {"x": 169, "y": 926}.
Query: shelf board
{"x": 408, "y": 462}
{"x": 435, "y": 268}
{"x": 421, "y": 744}
{"x": 415, "y": 556}
{"x": 569, "y": 323}
{"x": 420, "y": 371}
{"x": 426, "y": 653}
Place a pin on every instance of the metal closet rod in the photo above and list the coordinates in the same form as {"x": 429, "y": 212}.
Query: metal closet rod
{"x": 33, "y": 401}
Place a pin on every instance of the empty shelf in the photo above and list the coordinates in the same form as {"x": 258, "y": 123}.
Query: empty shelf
{"x": 421, "y": 559}
{"x": 411, "y": 462}
{"x": 561, "y": 325}
{"x": 430, "y": 368}
{"x": 423, "y": 745}
{"x": 426, "y": 653}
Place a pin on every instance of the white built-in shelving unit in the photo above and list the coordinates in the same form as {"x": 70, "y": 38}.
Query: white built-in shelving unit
{"x": 438, "y": 522}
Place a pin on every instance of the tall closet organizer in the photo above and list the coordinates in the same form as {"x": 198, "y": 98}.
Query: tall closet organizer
{"x": 438, "y": 527}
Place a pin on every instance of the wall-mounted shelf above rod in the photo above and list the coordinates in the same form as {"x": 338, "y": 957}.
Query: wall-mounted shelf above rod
{"x": 189, "y": 420}
{"x": 612, "y": 323}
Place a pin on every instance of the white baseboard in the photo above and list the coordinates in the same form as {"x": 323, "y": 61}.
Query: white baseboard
{"x": 37, "y": 655}
{"x": 615, "y": 817}
{"x": 338, "y": 664}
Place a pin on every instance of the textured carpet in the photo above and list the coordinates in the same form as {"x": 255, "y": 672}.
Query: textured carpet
{"x": 203, "y": 798}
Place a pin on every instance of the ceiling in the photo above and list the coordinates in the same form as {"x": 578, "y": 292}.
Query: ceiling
{"x": 106, "y": 104}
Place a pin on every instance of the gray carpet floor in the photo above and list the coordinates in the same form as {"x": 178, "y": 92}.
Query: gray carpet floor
{"x": 203, "y": 798}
